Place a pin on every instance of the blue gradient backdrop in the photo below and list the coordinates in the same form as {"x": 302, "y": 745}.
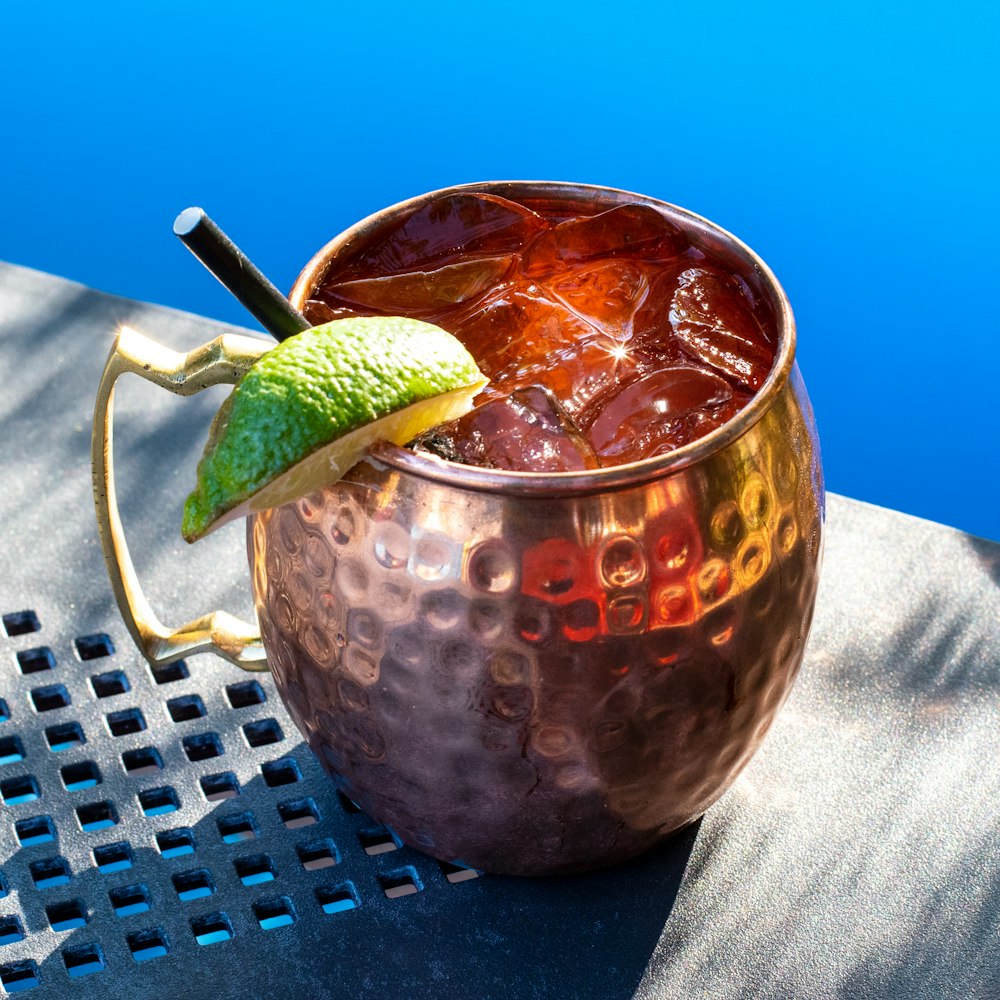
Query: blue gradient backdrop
{"x": 853, "y": 145}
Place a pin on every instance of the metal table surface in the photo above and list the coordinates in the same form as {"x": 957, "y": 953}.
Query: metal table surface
{"x": 172, "y": 834}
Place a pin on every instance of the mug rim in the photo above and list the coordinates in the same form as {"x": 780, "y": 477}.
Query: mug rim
{"x": 615, "y": 477}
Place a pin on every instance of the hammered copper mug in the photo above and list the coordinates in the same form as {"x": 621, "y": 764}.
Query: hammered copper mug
{"x": 525, "y": 673}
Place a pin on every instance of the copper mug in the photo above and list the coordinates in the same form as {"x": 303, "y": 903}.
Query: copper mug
{"x": 524, "y": 673}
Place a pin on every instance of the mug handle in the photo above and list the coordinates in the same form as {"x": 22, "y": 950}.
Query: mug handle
{"x": 221, "y": 361}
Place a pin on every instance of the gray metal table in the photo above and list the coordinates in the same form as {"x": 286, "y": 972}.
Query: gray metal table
{"x": 172, "y": 834}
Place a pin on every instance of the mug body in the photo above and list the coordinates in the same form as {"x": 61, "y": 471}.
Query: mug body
{"x": 532, "y": 673}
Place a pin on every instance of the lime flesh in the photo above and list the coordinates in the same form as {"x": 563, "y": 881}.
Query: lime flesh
{"x": 310, "y": 408}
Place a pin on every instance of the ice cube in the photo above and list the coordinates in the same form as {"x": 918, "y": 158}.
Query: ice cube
{"x": 451, "y": 227}
{"x": 522, "y": 335}
{"x": 712, "y": 317}
{"x": 658, "y": 412}
{"x": 317, "y": 311}
{"x": 424, "y": 294}
{"x": 527, "y": 431}
{"x": 628, "y": 230}
{"x": 607, "y": 293}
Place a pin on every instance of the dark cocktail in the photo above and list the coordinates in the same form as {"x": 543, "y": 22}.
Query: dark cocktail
{"x": 644, "y": 339}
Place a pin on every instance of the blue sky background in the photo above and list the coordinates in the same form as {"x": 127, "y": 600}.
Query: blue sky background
{"x": 853, "y": 145}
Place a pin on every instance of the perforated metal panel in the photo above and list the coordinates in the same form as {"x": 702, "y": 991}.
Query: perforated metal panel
{"x": 170, "y": 835}
{"x": 150, "y": 814}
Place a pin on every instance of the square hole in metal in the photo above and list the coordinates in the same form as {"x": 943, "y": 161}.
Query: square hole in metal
{"x": 254, "y": 869}
{"x": 129, "y": 899}
{"x": 33, "y": 661}
{"x": 66, "y": 916}
{"x": 193, "y": 884}
{"x": 317, "y": 854}
{"x": 348, "y": 805}
{"x": 245, "y": 693}
{"x": 11, "y": 750}
{"x": 338, "y": 898}
{"x": 169, "y": 673}
{"x": 143, "y": 760}
{"x": 126, "y": 722}
{"x": 23, "y": 788}
{"x": 175, "y": 843}
{"x": 263, "y": 732}
{"x": 21, "y": 622}
{"x": 49, "y": 873}
{"x": 211, "y": 928}
{"x": 111, "y": 858}
{"x": 36, "y": 830}
{"x": 298, "y": 813}
{"x": 82, "y": 960}
{"x": 50, "y": 697}
{"x": 236, "y": 829}
{"x": 378, "y": 840}
{"x": 202, "y": 746}
{"x": 284, "y": 771}
{"x": 186, "y": 707}
{"x": 97, "y": 816}
{"x": 16, "y": 977}
{"x": 93, "y": 647}
{"x": 274, "y": 913}
{"x": 4, "y": 711}
{"x": 457, "y": 873}
{"x": 219, "y": 787}
{"x": 11, "y": 930}
{"x": 159, "y": 801}
{"x": 109, "y": 684}
{"x": 400, "y": 882}
{"x": 82, "y": 774}
{"x": 65, "y": 736}
{"x": 148, "y": 944}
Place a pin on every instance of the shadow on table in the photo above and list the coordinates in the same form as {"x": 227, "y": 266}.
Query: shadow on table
{"x": 940, "y": 651}
{"x": 580, "y": 936}
{"x": 932, "y": 967}
{"x": 988, "y": 555}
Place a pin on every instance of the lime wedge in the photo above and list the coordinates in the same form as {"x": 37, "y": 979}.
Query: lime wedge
{"x": 311, "y": 406}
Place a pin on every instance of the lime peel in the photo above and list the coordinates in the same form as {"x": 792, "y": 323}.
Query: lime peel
{"x": 309, "y": 409}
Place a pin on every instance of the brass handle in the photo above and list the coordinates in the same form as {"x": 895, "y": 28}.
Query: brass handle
{"x": 222, "y": 361}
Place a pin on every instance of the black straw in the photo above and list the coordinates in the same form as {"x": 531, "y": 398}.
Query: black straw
{"x": 233, "y": 268}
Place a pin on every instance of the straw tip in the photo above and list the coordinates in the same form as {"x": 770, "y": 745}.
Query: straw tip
{"x": 188, "y": 221}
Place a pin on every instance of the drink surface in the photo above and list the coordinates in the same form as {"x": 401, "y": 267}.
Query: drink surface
{"x": 608, "y": 338}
